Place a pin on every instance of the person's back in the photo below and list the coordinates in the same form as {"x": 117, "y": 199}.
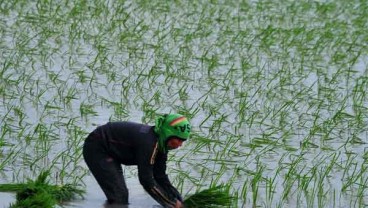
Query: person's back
{"x": 128, "y": 141}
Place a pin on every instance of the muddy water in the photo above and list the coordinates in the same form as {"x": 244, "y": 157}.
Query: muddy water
{"x": 6, "y": 199}
{"x": 95, "y": 197}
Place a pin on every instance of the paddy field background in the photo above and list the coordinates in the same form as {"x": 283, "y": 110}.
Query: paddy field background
{"x": 276, "y": 91}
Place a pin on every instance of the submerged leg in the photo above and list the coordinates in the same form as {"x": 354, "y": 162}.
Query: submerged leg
{"x": 107, "y": 172}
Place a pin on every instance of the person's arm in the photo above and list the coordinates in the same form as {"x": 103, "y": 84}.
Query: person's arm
{"x": 147, "y": 180}
{"x": 159, "y": 172}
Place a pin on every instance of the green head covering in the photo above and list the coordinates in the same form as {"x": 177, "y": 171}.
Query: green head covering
{"x": 171, "y": 125}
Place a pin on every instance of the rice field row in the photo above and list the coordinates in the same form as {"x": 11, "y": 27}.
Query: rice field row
{"x": 275, "y": 90}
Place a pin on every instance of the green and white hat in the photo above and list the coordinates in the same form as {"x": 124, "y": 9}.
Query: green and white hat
{"x": 171, "y": 125}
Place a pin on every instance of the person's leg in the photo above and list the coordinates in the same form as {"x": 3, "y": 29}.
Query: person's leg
{"x": 107, "y": 205}
{"x": 107, "y": 172}
{"x": 114, "y": 181}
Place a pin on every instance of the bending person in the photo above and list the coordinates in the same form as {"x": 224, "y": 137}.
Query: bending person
{"x": 128, "y": 143}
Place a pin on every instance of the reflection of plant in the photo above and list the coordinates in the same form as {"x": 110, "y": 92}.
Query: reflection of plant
{"x": 40, "y": 193}
{"x": 216, "y": 196}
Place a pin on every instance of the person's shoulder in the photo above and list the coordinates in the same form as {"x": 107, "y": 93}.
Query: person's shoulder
{"x": 145, "y": 128}
{"x": 123, "y": 123}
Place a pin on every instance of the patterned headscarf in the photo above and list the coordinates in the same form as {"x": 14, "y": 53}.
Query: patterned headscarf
{"x": 171, "y": 125}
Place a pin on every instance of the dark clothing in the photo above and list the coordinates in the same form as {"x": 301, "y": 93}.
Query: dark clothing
{"x": 128, "y": 143}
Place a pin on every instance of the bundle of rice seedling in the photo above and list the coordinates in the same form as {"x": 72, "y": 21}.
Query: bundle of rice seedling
{"x": 66, "y": 192}
{"x": 33, "y": 197}
{"x": 40, "y": 193}
{"x": 216, "y": 196}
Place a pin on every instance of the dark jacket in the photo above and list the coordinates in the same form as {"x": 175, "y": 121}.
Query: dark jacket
{"x": 136, "y": 144}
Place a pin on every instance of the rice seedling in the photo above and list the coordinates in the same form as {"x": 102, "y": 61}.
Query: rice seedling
{"x": 216, "y": 196}
{"x": 257, "y": 84}
{"x": 271, "y": 189}
{"x": 86, "y": 110}
{"x": 255, "y": 184}
{"x": 39, "y": 193}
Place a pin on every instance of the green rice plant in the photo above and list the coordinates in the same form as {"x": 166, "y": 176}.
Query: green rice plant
{"x": 321, "y": 193}
{"x": 244, "y": 192}
{"x": 362, "y": 188}
{"x": 9, "y": 158}
{"x": 218, "y": 171}
{"x": 290, "y": 177}
{"x": 305, "y": 181}
{"x": 40, "y": 193}
{"x": 33, "y": 197}
{"x": 255, "y": 182}
{"x": 201, "y": 142}
{"x": 215, "y": 196}
{"x": 87, "y": 110}
{"x": 243, "y": 69}
{"x": 120, "y": 112}
{"x": 357, "y": 173}
{"x": 271, "y": 187}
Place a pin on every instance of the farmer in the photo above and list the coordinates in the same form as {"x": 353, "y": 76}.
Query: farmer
{"x": 128, "y": 143}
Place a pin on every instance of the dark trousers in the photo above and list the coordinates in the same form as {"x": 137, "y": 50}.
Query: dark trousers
{"x": 107, "y": 171}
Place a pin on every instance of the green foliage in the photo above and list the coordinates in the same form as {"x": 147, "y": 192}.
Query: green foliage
{"x": 39, "y": 193}
{"x": 34, "y": 197}
{"x": 217, "y": 196}
{"x": 274, "y": 89}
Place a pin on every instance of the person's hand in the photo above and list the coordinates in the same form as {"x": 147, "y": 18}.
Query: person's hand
{"x": 179, "y": 204}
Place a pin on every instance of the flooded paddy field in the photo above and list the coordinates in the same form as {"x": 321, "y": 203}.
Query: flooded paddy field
{"x": 276, "y": 92}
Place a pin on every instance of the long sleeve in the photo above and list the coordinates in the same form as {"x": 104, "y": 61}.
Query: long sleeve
{"x": 159, "y": 172}
{"x": 146, "y": 177}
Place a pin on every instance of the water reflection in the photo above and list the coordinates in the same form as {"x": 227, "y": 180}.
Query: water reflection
{"x": 126, "y": 206}
{"x": 106, "y": 205}
{"x": 94, "y": 197}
